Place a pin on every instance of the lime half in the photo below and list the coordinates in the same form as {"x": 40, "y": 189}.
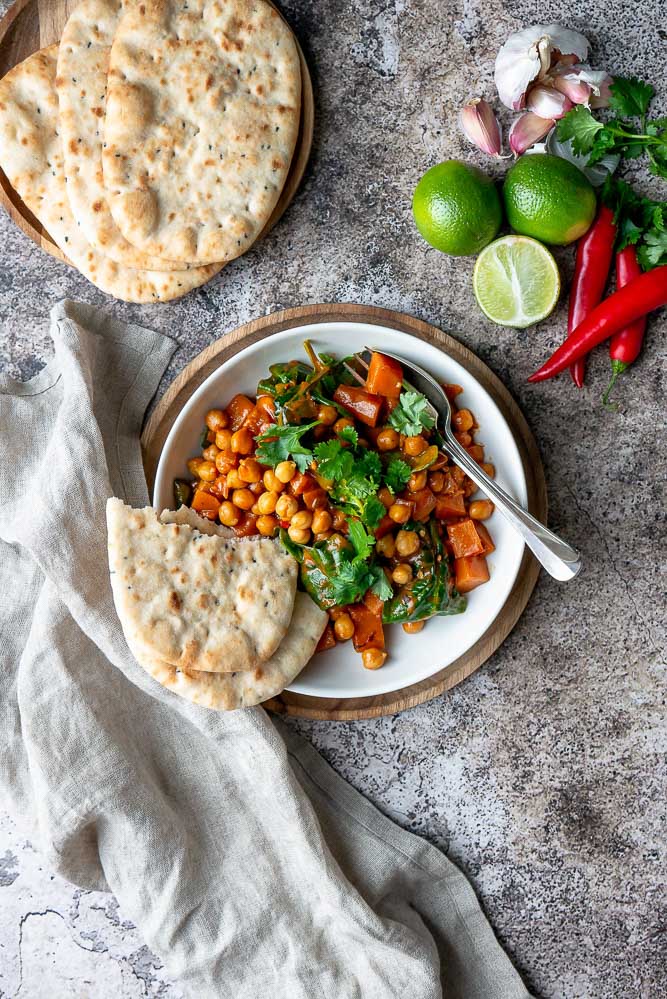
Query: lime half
{"x": 516, "y": 281}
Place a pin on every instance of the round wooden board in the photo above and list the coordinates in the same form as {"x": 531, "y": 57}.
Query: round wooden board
{"x": 30, "y": 25}
{"x": 170, "y": 405}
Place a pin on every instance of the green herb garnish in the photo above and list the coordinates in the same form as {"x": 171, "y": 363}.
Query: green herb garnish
{"x": 355, "y": 479}
{"x": 286, "y": 445}
{"x": 640, "y": 222}
{"x": 629, "y": 134}
{"x": 412, "y": 415}
{"x": 396, "y": 475}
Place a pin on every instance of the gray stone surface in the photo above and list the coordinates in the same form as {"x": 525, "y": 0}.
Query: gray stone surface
{"x": 543, "y": 775}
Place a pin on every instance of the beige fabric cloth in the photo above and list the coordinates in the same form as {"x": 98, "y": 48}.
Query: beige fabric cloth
{"x": 251, "y": 869}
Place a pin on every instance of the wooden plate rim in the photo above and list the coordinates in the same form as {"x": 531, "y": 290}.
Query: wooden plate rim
{"x": 180, "y": 390}
{"x": 32, "y": 227}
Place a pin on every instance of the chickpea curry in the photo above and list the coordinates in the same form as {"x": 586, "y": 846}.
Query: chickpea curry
{"x": 353, "y": 480}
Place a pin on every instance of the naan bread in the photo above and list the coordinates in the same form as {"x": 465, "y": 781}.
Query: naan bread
{"x": 202, "y": 119}
{"x": 31, "y": 157}
{"x": 194, "y": 601}
{"x": 228, "y": 691}
{"x": 186, "y": 515}
{"x": 81, "y": 84}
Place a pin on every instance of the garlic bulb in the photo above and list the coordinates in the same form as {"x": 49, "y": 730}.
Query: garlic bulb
{"x": 529, "y": 54}
{"x": 481, "y": 126}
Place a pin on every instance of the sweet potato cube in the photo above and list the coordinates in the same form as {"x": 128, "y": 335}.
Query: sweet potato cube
{"x": 485, "y": 538}
{"x": 206, "y": 504}
{"x": 470, "y": 571}
{"x": 464, "y": 539}
{"x": 385, "y": 376}
{"x": 238, "y": 410}
{"x": 449, "y": 505}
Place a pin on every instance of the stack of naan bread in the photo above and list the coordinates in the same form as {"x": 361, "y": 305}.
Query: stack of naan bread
{"x": 215, "y": 618}
{"x": 153, "y": 143}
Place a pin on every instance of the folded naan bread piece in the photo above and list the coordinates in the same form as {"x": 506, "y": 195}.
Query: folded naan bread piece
{"x": 202, "y": 118}
{"x": 31, "y": 155}
{"x": 228, "y": 691}
{"x": 195, "y": 601}
{"x": 81, "y": 83}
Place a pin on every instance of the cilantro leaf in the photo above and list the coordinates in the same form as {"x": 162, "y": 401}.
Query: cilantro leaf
{"x": 396, "y": 475}
{"x": 350, "y": 435}
{"x": 361, "y": 540}
{"x": 653, "y": 250}
{"x": 369, "y": 466}
{"x": 287, "y": 444}
{"x": 333, "y": 460}
{"x": 412, "y": 414}
{"x": 581, "y": 127}
{"x": 630, "y": 97}
{"x": 381, "y": 587}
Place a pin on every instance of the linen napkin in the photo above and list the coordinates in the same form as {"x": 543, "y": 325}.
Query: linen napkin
{"x": 249, "y": 866}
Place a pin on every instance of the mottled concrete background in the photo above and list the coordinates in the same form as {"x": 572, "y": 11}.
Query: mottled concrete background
{"x": 543, "y": 776}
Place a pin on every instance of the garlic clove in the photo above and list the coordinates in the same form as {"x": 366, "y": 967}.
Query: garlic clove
{"x": 583, "y": 85}
{"x": 480, "y": 126}
{"x": 529, "y": 54}
{"x": 528, "y": 129}
{"x": 546, "y": 102}
{"x": 577, "y": 91}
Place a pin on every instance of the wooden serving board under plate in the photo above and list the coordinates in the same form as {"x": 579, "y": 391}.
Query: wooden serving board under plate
{"x": 30, "y": 25}
{"x": 178, "y": 393}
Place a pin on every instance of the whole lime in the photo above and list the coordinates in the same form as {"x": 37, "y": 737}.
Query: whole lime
{"x": 457, "y": 208}
{"x": 548, "y": 198}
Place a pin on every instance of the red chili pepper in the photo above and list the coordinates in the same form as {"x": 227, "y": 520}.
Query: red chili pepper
{"x": 641, "y": 296}
{"x": 594, "y": 253}
{"x": 625, "y": 345}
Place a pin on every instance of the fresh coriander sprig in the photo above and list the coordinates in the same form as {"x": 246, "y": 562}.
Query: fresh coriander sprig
{"x": 279, "y": 443}
{"x": 639, "y": 221}
{"x": 412, "y": 415}
{"x": 355, "y": 479}
{"x": 396, "y": 475}
{"x": 621, "y": 135}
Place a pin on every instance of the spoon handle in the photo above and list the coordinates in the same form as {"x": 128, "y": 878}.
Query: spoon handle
{"x": 558, "y": 558}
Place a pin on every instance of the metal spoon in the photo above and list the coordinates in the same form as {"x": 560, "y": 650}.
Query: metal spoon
{"x": 559, "y": 559}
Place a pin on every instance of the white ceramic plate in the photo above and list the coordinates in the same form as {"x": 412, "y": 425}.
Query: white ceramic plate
{"x": 338, "y": 672}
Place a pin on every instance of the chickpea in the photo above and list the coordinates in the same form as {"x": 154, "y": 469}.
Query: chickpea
{"x": 417, "y": 481}
{"x": 194, "y": 465}
{"x": 373, "y": 658}
{"x": 399, "y": 513}
{"x": 256, "y": 488}
{"x": 407, "y": 543}
{"x": 211, "y": 452}
{"x": 242, "y": 442}
{"x": 414, "y": 446}
{"x": 464, "y": 439}
{"x": 489, "y": 469}
{"x": 343, "y": 422}
{"x": 266, "y": 503}
{"x": 286, "y": 507}
{"x": 387, "y": 439}
{"x": 458, "y": 475}
{"x": 207, "y": 471}
{"x": 322, "y": 521}
{"x": 272, "y": 482}
{"x": 267, "y": 525}
{"x": 301, "y": 520}
{"x": 243, "y": 499}
{"x": 285, "y": 471}
{"x": 413, "y": 627}
{"x": 298, "y": 536}
{"x": 323, "y": 535}
{"x": 228, "y": 514}
{"x": 402, "y": 574}
{"x": 250, "y": 470}
{"x": 386, "y": 546}
{"x": 254, "y": 509}
{"x": 481, "y": 509}
{"x": 216, "y": 420}
{"x": 386, "y": 497}
{"x": 225, "y": 461}
{"x": 462, "y": 420}
{"x": 327, "y": 414}
{"x": 436, "y": 481}
{"x": 234, "y": 480}
{"x": 343, "y": 627}
{"x": 223, "y": 440}
{"x": 339, "y": 521}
